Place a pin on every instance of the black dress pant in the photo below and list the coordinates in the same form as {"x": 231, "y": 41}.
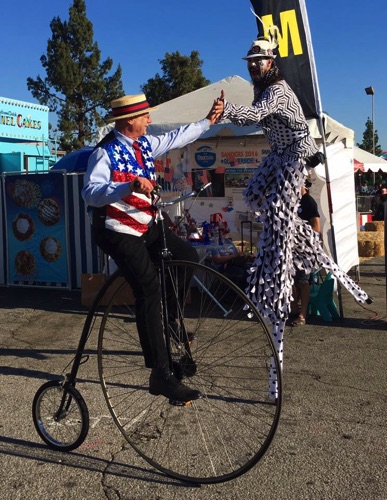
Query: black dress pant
{"x": 135, "y": 257}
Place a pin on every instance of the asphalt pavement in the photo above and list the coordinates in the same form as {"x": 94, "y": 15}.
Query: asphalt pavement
{"x": 331, "y": 442}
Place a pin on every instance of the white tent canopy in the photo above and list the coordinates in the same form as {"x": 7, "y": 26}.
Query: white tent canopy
{"x": 196, "y": 105}
{"x": 369, "y": 161}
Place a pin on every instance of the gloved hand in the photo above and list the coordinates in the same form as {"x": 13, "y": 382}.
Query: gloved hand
{"x": 316, "y": 159}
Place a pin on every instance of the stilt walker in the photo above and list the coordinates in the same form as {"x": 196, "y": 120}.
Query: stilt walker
{"x": 274, "y": 192}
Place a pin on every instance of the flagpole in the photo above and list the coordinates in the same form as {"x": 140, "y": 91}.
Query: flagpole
{"x": 330, "y": 208}
{"x": 321, "y": 128}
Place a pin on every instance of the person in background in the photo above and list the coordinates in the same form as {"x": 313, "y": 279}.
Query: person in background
{"x": 118, "y": 189}
{"x": 379, "y": 210}
{"x": 364, "y": 188}
{"x": 308, "y": 211}
{"x": 231, "y": 262}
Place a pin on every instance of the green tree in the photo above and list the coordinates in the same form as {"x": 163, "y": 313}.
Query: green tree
{"x": 181, "y": 75}
{"x": 368, "y": 144}
{"x": 77, "y": 86}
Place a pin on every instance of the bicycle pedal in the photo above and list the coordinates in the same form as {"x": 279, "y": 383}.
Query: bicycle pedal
{"x": 179, "y": 403}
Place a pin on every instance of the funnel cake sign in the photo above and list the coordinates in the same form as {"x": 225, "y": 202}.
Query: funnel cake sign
{"x": 36, "y": 237}
{"x": 23, "y": 120}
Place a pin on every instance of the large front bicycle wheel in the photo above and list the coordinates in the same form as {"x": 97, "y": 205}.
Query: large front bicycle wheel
{"x": 60, "y": 416}
{"x": 221, "y": 346}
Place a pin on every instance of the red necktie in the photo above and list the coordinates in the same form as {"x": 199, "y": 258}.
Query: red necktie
{"x": 138, "y": 154}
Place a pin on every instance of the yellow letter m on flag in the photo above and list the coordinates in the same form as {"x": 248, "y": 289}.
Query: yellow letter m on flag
{"x": 288, "y": 27}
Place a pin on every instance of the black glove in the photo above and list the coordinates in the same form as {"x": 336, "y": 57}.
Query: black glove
{"x": 316, "y": 159}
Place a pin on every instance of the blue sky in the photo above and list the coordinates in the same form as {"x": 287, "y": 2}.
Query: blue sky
{"x": 348, "y": 38}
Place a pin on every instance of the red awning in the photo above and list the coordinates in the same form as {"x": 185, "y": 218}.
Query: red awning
{"x": 358, "y": 166}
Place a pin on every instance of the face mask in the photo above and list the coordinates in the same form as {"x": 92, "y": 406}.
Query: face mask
{"x": 258, "y": 68}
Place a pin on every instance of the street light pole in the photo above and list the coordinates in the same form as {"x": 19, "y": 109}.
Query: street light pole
{"x": 370, "y": 91}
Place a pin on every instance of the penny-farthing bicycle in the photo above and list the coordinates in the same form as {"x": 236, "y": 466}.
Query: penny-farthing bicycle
{"x": 218, "y": 342}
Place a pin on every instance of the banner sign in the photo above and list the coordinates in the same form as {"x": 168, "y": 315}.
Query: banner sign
{"x": 295, "y": 56}
{"x": 23, "y": 120}
{"x": 226, "y": 164}
{"x": 224, "y": 155}
{"x": 236, "y": 180}
{"x": 170, "y": 172}
{"x": 35, "y": 215}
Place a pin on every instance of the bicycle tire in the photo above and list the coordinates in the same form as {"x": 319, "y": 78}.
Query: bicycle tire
{"x": 70, "y": 430}
{"x": 224, "y": 434}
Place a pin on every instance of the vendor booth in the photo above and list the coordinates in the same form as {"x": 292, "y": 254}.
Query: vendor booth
{"x": 369, "y": 171}
{"x": 23, "y": 149}
{"x": 46, "y": 236}
{"x": 365, "y": 161}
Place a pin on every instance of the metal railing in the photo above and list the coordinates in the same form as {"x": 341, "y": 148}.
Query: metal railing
{"x": 364, "y": 203}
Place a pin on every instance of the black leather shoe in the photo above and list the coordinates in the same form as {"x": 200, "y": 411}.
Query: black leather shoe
{"x": 164, "y": 383}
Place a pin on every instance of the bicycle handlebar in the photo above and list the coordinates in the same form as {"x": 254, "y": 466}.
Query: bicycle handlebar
{"x": 157, "y": 189}
{"x": 193, "y": 193}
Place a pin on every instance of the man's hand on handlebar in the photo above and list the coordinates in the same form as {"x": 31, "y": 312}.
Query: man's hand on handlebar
{"x": 142, "y": 185}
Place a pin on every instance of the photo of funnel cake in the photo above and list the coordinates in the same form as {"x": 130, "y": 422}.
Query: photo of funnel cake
{"x": 48, "y": 211}
{"x": 50, "y": 249}
{"x": 25, "y": 193}
{"x": 23, "y": 227}
{"x": 24, "y": 263}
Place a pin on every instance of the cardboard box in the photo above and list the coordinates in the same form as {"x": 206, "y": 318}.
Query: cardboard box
{"x": 92, "y": 283}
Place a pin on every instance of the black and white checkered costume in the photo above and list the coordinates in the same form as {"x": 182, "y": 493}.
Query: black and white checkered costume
{"x": 274, "y": 193}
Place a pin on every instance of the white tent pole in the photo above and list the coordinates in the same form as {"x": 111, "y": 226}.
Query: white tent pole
{"x": 330, "y": 208}
{"x": 317, "y": 97}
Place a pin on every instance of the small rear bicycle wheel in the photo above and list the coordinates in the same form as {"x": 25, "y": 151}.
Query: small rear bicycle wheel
{"x": 60, "y": 416}
{"x": 221, "y": 347}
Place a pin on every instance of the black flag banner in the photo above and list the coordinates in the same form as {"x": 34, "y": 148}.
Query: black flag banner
{"x": 295, "y": 52}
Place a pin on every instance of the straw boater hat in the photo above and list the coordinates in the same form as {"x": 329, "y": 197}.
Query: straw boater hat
{"x": 129, "y": 106}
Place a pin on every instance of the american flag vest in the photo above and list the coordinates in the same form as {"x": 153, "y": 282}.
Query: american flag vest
{"x": 134, "y": 213}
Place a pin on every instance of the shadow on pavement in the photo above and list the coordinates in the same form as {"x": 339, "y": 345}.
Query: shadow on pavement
{"x": 36, "y": 451}
{"x": 41, "y": 299}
